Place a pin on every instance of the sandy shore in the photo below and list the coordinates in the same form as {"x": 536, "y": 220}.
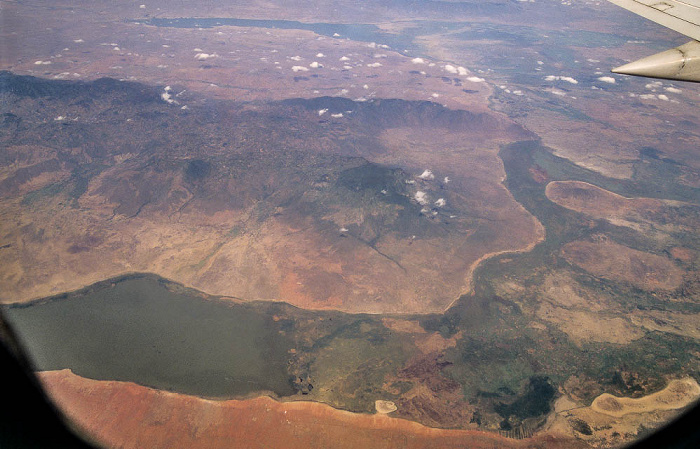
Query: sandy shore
{"x": 122, "y": 414}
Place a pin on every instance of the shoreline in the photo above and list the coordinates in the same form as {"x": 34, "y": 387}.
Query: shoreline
{"x": 108, "y": 409}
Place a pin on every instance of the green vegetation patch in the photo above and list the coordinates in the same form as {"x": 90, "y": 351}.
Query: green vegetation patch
{"x": 43, "y": 193}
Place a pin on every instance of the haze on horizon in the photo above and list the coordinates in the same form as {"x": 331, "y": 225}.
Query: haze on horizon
{"x": 336, "y": 223}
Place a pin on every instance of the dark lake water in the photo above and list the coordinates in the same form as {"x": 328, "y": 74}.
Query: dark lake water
{"x": 517, "y": 35}
{"x": 138, "y": 330}
{"x": 357, "y": 32}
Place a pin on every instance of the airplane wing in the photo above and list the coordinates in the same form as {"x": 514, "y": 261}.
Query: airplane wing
{"x": 680, "y": 63}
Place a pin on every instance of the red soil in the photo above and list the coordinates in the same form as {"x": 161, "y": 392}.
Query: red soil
{"x": 125, "y": 415}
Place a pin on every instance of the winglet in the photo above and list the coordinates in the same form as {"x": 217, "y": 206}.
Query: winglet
{"x": 680, "y": 63}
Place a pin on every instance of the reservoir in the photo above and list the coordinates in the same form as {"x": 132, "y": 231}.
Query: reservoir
{"x": 356, "y": 32}
{"x": 146, "y": 330}
{"x": 404, "y": 39}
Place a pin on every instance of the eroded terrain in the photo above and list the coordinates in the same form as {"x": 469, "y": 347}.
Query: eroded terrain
{"x": 266, "y": 201}
{"x": 520, "y": 224}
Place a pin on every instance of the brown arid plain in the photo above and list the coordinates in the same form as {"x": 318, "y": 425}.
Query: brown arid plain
{"x": 105, "y": 409}
{"x": 246, "y": 231}
{"x": 236, "y": 160}
{"x": 652, "y": 216}
{"x": 106, "y": 238}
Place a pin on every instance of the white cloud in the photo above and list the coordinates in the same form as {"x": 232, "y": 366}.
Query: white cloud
{"x": 450, "y": 68}
{"x": 298, "y": 68}
{"x": 379, "y": 55}
{"x": 375, "y": 64}
{"x": 205, "y": 56}
{"x": 647, "y": 97}
{"x": 336, "y": 35}
{"x": 673, "y": 90}
{"x": 198, "y": 50}
{"x": 427, "y": 175}
{"x": 322, "y": 111}
{"x": 435, "y": 95}
{"x": 142, "y": 6}
{"x": 347, "y": 67}
{"x": 315, "y": 65}
{"x": 446, "y": 180}
{"x": 344, "y": 58}
{"x": 365, "y": 86}
{"x": 440, "y": 202}
{"x": 296, "y": 58}
{"x": 607, "y": 79}
{"x": 320, "y": 55}
{"x": 422, "y": 198}
{"x": 462, "y": 71}
{"x": 663, "y": 97}
{"x": 78, "y": 41}
{"x": 568, "y": 79}
{"x": 60, "y": 118}
{"x": 540, "y": 62}
{"x": 165, "y": 96}
{"x": 42, "y": 62}
{"x": 475, "y": 79}
{"x": 558, "y": 92}
{"x": 418, "y": 61}
{"x": 338, "y": 115}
